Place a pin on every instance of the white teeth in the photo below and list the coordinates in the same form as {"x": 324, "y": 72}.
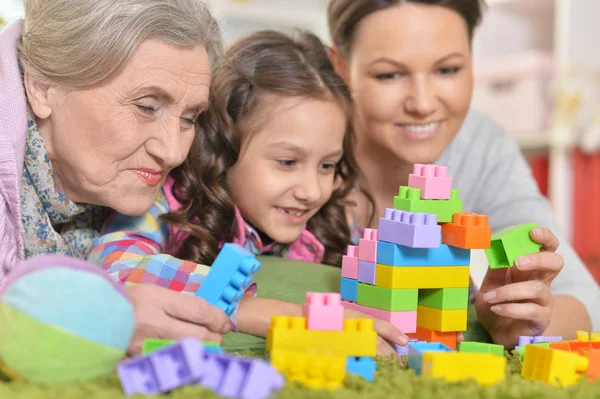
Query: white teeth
{"x": 296, "y": 214}
{"x": 421, "y": 128}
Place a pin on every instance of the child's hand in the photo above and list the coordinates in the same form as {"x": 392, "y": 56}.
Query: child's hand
{"x": 386, "y": 333}
{"x": 517, "y": 300}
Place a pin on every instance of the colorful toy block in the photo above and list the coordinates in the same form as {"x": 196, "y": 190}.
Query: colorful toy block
{"x": 574, "y": 346}
{"x": 484, "y": 368}
{"x": 409, "y": 199}
{"x": 444, "y": 298}
{"x": 480, "y": 347}
{"x": 467, "y": 231}
{"x": 403, "y": 349}
{"x": 316, "y": 371}
{"x": 595, "y": 336}
{"x": 527, "y": 339}
{"x": 432, "y": 180}
{"x": 582, "y": 336}
{"x": 428, "y": 335}
{"x": 404, "y": 321}
{"x": 509, "y": 244}
{"x": 422, "y": 277}
{"x": 151, "y": 345}
{"x": 289, "y": 333}
{"x": 398, "y": 255}
{"x": 521, "y": 349}
{"x": 552, "y": 366}
{"x": 213, "y": 347}
{"x": 230, "y": 275}
{"x": 324, "y": 311}
{"x": 387, "y": 299}
{"x": 442, "y": 320}
{"x": 416, "y": 351}
{"x": 350, "y": 263}
{"x": 367, "y": 246}
{"x": 593, "y": 371}
{"x": 349, "y": 289}
{"x": 415, "y": 230}
{"x": 362, "y": 366}
{"x": 366, "y": 272}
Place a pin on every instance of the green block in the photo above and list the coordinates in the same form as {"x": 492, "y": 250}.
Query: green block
{"x": 392, "y": 300}
{"x": 151, "y": 345}
{"x": 480, "y": 347}
{"x": 409, "y": 199}
{"x": 211, "y": 344}
{"x": 522, "y": 348}
{"x": 445, "y": 298}
{"x": 509, "y": 244}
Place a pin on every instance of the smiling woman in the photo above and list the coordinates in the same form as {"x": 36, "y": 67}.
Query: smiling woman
{"x": 98, "y": 103}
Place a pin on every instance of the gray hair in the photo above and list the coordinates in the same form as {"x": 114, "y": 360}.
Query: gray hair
{"x": 84, "y": 43}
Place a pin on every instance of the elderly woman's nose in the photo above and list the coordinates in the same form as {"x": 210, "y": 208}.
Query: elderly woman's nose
{"x": 167, "y": 145}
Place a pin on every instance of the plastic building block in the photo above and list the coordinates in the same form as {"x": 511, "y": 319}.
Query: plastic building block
{"x": 230, "y": 275}
{"x": 367, "y": 246}
{"x": 575, "y": 346}
{"x": 422, "y": 277}
{"x": 290, "y": 333}
{"x": 546, "y": 338}
{"x": 432, "y": 180}
{"x": 409, "y": 199}
{"x": 444, "y": 298}
{"x": 521, "y": 349}
{"x": 428, "y": 335}
{"x": 164, "y": 369}
{"x": 362, "y": 366}
{"x": 349, "y": 289}
{"x": 151, "y": 345}
{"x": 366, "y": 272}
{"x": 315, "y": 371}
{"x": 350, "y": 262}
{"x": 441, "y": 320}
{"x": 243, "y": 378}
{"x": 404, "y": 321}
{"x": 582, "y": 336}
{"x": 552, "y": 366}
{"x": 214, "y": 349}
{"x": 595, "y": 336}
{"x": 467, "y": 231}
{"x": 324, "y": 311}
{"x": 415, "y": 230}
{"x": 417, "y": 349}
{"x": 403, "y": 349}
{"x": 398, "y": 255}
{"x": 480, "y": 347}
{"x": 484, "y": 368}
{"x": 387, "y": 299}
{"x": 509, "y": 244}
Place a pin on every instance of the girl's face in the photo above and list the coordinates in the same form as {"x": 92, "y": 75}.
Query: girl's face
{"x": 286, "y": 168}
{"x": 410, "y": 73}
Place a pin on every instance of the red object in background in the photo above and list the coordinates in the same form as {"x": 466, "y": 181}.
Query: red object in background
{"x": 539, "y": 167}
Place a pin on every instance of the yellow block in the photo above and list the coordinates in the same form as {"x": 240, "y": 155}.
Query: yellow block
{"x": 313, "y": 370}
{"x": 485, "y": 368}
{"x": 553, "y": 366}
{"x": 583, "y": 336}
{"x": 290, "y": 334}
{"x": 595, "y": 336}
{"x": 422, "y": 276}
{"x": 441, "y": 320}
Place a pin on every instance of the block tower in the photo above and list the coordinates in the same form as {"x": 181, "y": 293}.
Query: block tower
{"x": 413, "y": 271}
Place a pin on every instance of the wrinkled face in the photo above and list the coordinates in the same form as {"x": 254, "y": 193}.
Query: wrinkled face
{"x": 286, "y": 168}
{"x": 410, "y": 73}
{"x": 114, "y": 145}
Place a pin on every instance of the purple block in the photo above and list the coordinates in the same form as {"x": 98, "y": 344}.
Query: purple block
{"x": 414, "y": 230}
{"x": 403, "y": 350}
{"x": 546, "y": 339}
{"x": 525, "y": 340}
{"x": 261, "y": 381}
{"x": 138, "y": 376}
{"x": 366, "y": 272}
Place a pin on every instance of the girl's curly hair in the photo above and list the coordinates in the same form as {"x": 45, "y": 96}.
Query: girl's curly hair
{"x": 263, "y": 62}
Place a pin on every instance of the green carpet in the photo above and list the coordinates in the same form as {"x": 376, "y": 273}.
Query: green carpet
{"x": 391, "y": 380}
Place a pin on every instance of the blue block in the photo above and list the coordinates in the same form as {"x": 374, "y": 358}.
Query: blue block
{"x": 363, "y": 366}
{"x": 349, "y": 289}
{"x": 398, "y": 255}
{"x": 416, "y": 350}
{"x": 229, "y": 276}
{"x": 217, "y": 350}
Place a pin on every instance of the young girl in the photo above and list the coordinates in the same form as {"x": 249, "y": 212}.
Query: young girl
{"x": 269, "y": 169}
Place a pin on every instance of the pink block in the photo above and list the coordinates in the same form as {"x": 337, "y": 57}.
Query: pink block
{"x": 433, "y": 180}
{"x": 367, "y": 246}
{"x": 403, "y": 321}
{"x": 350, "y": 263}
{"x": 324, "y": 311}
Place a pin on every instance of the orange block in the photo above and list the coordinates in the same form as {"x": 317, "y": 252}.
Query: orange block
{"x": 575, "y": 345}
{"x": 425, "y": 334}
{"x": 467, "y": 231}
{"x": 594, "y": 366}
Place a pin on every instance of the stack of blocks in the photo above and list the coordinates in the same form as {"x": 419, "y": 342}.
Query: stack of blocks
{"x": 414, "y": 270}
{"x": 319, "y": 348}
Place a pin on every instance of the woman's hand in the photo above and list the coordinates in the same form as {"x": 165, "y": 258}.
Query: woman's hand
{"x": 386, "y": 333}
{"x": 517, "y": 300}
{"x": 167, "y": 314}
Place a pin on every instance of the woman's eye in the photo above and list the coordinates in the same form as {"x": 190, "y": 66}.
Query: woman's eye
{"x": 148, "y": 109}
{"x": 388, "y": 76}
{"x": 286, "y": 162}
{"x": 449, "y": 70}
{"x": 329, "y": 167}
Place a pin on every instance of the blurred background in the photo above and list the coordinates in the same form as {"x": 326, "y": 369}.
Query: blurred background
{"x": 537, "y": 67}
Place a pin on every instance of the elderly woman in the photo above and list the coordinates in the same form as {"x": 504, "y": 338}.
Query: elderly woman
{"x": 97, "y": 105}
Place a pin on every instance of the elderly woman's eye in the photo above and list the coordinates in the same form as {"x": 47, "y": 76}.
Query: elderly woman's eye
{"x": 147, "y": 108}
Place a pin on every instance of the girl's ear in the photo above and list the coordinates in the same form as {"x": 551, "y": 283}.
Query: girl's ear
{"x": 339, "y": 63}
